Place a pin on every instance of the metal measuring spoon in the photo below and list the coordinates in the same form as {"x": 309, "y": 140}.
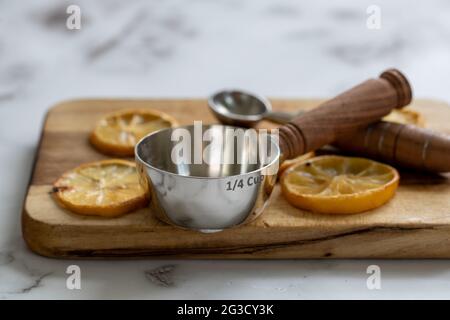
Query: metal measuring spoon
{"x": 241, "y": 108}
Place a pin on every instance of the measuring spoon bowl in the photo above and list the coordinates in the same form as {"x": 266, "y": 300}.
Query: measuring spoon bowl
{"x": 238, "y": 107}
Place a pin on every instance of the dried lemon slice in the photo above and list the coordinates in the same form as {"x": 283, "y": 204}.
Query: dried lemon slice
{"x": 105, "y": 188}
{"x": 286, "y": 164}
{"x": 117, "y": 133}
{"x": 336, "y": 184}
{"x": 403, "y": 116}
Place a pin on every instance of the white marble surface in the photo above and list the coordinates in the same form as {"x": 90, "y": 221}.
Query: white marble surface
{"x": 189, "y": 49}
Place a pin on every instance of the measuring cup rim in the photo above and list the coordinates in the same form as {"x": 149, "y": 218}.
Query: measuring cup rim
{"x": 138, "y": 157}
{"x": 236, "y": 116}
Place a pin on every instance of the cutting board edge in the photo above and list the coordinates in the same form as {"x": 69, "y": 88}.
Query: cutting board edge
{"x": 38, "y": 235}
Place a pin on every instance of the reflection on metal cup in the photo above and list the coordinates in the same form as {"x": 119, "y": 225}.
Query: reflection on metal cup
{"x": 208, "y": 196}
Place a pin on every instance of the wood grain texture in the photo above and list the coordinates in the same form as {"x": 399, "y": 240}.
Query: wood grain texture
{"x": 353, "y": 109}
{"x": 415, "y": 224}
{"x": 405, "y": 145}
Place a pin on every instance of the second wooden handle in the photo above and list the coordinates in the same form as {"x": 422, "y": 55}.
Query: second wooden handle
{"x": 356, "y": 108}
{"x": 400, "y": 144}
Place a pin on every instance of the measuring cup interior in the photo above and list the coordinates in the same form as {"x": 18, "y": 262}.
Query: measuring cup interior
{"x": 208, "y": 158}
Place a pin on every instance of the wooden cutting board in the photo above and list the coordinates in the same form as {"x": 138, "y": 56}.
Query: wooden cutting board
{"x": 415, "y": 224}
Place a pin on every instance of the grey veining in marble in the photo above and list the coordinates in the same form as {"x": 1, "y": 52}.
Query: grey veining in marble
{"x": 190, "y": 49}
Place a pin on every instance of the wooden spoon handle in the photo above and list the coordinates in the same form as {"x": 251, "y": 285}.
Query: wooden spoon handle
{"x": 356, "y": 108}
{"x": 400, "y": 144}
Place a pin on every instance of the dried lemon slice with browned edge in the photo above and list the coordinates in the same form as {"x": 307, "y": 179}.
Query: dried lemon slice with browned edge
{"x": 340, "y": 185}
{"x": 404, "y": 116}
{"x": 105, "y": 188}
{"x": 286, "y": 164}
{"x": 117, "y": 133}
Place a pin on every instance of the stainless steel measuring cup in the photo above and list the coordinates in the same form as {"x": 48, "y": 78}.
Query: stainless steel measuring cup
{"x": 209, "y": 196}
